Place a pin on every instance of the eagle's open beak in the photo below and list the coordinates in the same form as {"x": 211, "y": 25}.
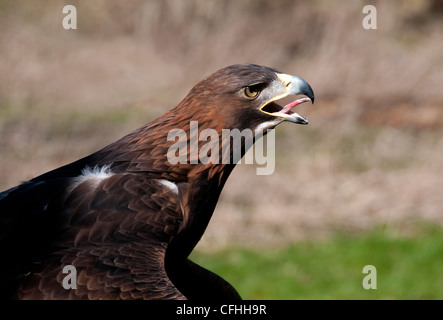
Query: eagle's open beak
{"x": 292, "y": 85}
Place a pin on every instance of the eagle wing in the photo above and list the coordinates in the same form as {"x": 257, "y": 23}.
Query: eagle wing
{"x": 114, "y": 228}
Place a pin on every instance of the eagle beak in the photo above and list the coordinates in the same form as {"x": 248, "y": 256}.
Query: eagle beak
{"x": 292, "y": 86}
{"x": 297, "y": 85}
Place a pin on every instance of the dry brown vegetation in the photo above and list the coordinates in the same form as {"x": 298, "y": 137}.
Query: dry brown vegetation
{"x": 373, "y": 150}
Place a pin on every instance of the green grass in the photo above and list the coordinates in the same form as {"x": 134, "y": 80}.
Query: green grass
{"x": 408, "y": 267}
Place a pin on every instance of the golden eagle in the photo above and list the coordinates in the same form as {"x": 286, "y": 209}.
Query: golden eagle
{"x": 127, "y": 218}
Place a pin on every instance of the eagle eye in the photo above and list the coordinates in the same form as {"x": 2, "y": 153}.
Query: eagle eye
{"x": 251, "y": 92}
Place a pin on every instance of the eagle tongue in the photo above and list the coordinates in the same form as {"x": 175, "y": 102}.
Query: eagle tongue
{"x": 292, "y": 116}
{"x": 287, "y": 108}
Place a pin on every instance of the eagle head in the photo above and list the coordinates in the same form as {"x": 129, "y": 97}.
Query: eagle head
{"x": 245, "y": 95}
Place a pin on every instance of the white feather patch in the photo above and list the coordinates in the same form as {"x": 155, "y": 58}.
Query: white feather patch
{"x": 168, "y": 184}
{"x": 93, "y": 175}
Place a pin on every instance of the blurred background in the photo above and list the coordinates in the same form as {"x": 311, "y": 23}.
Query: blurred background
{"x": 362, "y": 184}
